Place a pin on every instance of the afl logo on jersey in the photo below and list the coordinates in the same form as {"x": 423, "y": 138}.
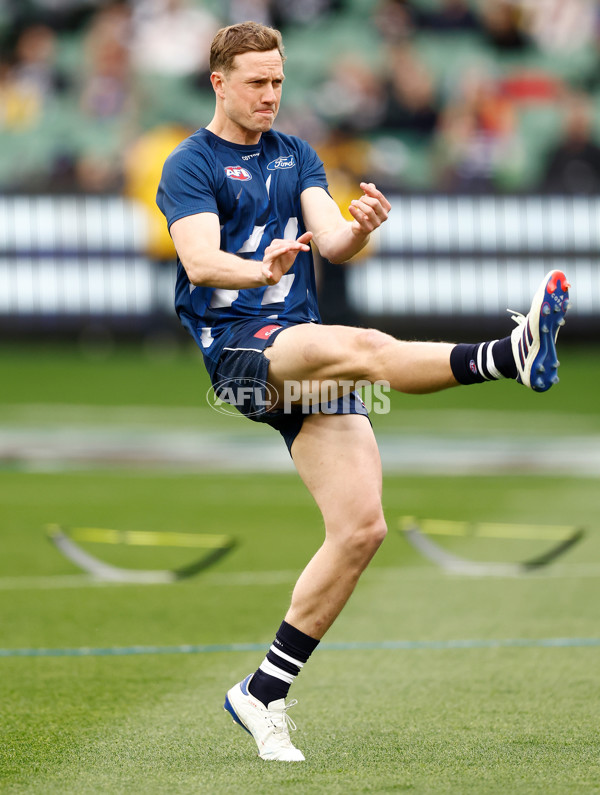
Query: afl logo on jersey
{"x": 237, "y": 172}
{"x": 282, "y": 162}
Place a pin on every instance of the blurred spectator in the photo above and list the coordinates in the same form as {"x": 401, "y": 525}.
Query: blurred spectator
{"x": 531, "y": 86}
{"x": 108, "y": 101}
{"x": 476, "y": 144}
{"x": 35, "y": 67}
{"x": 143, "y": 166}
{"x": 107, "y": 91}
{"x": 503, "y": 25}
{"x": 353, "y": 96}
{"x": 256, "y": 10}
{"x": 98, "y": 172}
{"x": 59, "y": 15}
{"x": 301, "y": 12}
{"x": 589, "y": 81}
{"x": 396, "y": 20}
{"x": 303, "y": 121}
{"x": 562, "y": 25}
{"x": 346, "y": 157}
{"x": 20, "y": 108}
{"x": 573, "y": 166}
{"x": 452, "y": 16}
{"x": 473, "y": 140}
{"x": 411, "y": 104}
{"x": 347, "y": 161}
{"x": 281, "y": 13}
{"x": 171, "y": 37}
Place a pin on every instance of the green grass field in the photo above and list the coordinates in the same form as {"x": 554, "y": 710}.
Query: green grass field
{"x": 428, "y": 683}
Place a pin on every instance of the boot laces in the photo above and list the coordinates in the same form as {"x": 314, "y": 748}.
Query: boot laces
{"x": 281, "y": 721}
{"x": 518, "y": 317}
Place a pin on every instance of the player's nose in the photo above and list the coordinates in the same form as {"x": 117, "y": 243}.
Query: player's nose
{"x": 269, "y": 96}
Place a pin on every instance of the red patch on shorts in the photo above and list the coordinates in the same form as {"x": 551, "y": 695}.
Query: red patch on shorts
{"x": 265, "y": 332}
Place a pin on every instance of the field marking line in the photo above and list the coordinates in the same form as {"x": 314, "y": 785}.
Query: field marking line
{"x": 224, "y": 579}
{"x": 384, "y": 645}
{"x": 48, "y": 582}
{"x": 180, "y": 416}
{"x": 242, "y": 579}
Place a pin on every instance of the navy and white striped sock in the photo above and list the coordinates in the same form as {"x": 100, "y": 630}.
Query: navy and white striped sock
{"x": 484, "y": 361}
{"x": 284, "y": 661}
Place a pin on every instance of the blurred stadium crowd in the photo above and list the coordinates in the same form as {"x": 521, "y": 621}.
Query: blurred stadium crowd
{"x": 451, "y": 95}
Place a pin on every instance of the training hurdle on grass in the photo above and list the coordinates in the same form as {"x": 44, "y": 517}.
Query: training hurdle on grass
{"x": 419, "y": 531}
{"x": 65, "y": 541}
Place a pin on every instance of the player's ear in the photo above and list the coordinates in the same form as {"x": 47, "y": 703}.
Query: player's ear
{"x": 217, "y": 79}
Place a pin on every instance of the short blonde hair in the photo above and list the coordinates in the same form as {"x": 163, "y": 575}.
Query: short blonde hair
{"x": 243, "y": 37}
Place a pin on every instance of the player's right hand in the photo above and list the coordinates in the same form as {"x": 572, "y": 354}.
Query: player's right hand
{"x": 280, "y": 255}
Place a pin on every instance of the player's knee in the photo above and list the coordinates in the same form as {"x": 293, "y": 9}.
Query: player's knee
{"x": 378, "y": 532}
{"x": 373, "y": 347}
{"x": 367, "y": 536}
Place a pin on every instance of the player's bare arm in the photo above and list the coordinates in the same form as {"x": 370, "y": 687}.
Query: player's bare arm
{"x": 336, "y": 238}
{"x": 197, "y": 240}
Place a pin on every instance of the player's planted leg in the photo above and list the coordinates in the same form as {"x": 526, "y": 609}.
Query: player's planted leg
{"x": 338, "y": 459}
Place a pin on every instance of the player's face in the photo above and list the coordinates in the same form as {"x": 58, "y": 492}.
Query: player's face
{"x": 251, "y": 93}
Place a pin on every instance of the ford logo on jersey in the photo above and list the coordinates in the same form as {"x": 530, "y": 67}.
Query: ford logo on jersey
{"x": 237, "y": 172}
{"x": 282, "y": 162}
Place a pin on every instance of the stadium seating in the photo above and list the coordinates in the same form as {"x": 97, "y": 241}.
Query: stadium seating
{"x": 65, "y": 131}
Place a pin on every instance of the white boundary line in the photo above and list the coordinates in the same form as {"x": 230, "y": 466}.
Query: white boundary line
{"x": 285, "y": 577}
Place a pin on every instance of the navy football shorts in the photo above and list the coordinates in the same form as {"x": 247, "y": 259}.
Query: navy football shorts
{"x": 241, "y": 378}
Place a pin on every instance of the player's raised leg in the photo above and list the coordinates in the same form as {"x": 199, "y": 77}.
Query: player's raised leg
{"x": 340, "y": 353}
{"x": 311, "y": 352}
{"x": 338, "y": 459}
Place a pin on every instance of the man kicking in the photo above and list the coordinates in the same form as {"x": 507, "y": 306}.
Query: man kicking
{"x": 243, "y": 203}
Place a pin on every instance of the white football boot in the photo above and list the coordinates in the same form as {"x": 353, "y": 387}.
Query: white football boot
{"x": 268, "y": 725}
{"x": 534, "y": 338}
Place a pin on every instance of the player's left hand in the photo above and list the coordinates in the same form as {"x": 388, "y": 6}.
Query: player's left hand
{"x": 280, "y": 255}
{"x": 370, "y": 211}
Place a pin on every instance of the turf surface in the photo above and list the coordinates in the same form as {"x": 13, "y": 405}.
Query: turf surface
{"x": 480, "y": 720}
